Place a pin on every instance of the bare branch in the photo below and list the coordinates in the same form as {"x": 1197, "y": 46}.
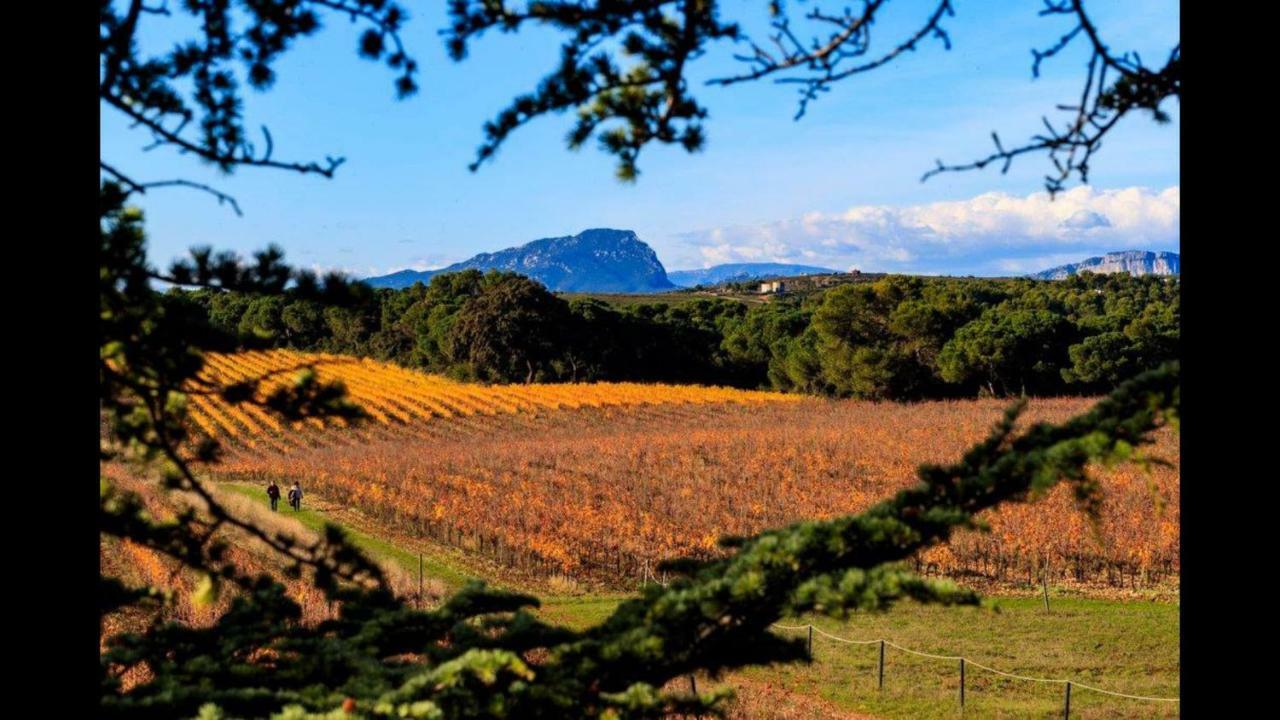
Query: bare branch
{"x": 825, "y": 57}
{"x": 1099, "y": 109}
{"x": 152, "y": 91}
{"x": 141, "y": 188}
{"x": 239, "y": 156}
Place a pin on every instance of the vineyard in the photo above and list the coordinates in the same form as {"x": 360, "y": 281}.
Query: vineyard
{"x": 601, "y": 481}
{"x": 399, "y": 399}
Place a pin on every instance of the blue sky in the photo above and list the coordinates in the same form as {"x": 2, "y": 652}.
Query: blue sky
{"x": 839, "y": 188}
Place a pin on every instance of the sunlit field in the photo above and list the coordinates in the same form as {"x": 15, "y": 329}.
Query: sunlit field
{"x": 599, "y": 482}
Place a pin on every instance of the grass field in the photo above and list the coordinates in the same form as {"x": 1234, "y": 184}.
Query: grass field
{"x": 1129, "y": 647}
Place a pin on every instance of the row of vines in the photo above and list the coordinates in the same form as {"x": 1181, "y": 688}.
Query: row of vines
{"x": 601, "y": 481}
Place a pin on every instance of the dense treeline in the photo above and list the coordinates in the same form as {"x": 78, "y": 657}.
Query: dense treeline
{"x": 896, "y": 338}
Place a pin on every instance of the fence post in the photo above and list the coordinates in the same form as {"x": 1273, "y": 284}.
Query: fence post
{"x": 693, "y": 684}
{"x": 1066, "y": 702}
{"x": 420, "y": 597}
{"x": 880, "y": 679}
{"x": 1044, "y": 581}
{"x": 810, "y": 640}
{"x": 962, "y": 684}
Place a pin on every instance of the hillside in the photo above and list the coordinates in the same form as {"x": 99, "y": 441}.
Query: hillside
{"x": 739, "y": 272}
{"x": 563, "y": 448}
{"x": 1134, "y": 262}
{"x": 598, "y": 260}
{"x": 425, "y": 485}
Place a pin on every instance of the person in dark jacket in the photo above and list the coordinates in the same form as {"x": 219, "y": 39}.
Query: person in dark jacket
{"x": 295, "y": 496}
{"x": 273, "y": 492}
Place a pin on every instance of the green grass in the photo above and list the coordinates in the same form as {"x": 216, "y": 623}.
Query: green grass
{"x": 451, "y": 575}
{"x": 1129, "y": 647}
{"x": 579, "y": 612}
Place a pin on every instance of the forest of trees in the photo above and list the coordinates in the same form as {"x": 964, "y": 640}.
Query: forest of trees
{"x": 899, "y": 338}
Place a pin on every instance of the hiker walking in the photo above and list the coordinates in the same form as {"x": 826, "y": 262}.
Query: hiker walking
{"x": 273, "y": 492}
{"x": 295, "y": 496}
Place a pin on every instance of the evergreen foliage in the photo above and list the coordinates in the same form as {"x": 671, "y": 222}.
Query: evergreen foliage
{"x": 899, "y": 338}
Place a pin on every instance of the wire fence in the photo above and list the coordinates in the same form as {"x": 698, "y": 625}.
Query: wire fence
{"x": 965, "y": 662}
{"x": 1068, "y": 685}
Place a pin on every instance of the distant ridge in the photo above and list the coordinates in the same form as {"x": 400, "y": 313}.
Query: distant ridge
{"x": 1134, "y": 262}
{"x": 739, "y": 272}
{"x": 597, "y": 260}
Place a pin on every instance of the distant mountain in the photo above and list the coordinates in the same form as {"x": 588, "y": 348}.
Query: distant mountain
{"x": 599, "y": 260}
{"x": 738, "y": 272}
{"x": 1134, "y": 262}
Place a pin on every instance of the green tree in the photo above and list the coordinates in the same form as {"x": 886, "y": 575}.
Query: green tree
{"x": 926, "y": 323}
{"x": 862, "y": 354}
{"x": 1007, "y": 350}
{"x": 263, "y": 318}
{"x": 510, "y": 330}
{"x": 347, "y": 330}
{"x": 754, "y": 340}
{"x": 226, "y": 310}
{"x": 1107, "y": 358}
{"x": 303, "y": 322}
{"x": 430, "y": 319}
{"x": 1103, "y": 358}
{"x": 797, "y": 366}
{"x": 591, "y": 348}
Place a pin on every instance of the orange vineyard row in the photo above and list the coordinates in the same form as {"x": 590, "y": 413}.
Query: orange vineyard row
{"x": 600, "y": 481}
{"x": 395, "y": 397}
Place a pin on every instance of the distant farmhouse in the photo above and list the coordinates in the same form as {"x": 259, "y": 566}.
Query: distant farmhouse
{"x": 775, "y": 287}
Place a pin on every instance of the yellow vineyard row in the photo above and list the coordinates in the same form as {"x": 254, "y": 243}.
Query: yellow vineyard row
{"x": 396, "y": 396}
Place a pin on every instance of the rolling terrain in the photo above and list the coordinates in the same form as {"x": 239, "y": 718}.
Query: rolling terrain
{"x": 573, "y": 492}
{"x": 615, "y": 477}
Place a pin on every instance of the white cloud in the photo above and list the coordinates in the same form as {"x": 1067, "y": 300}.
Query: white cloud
{"x": 1085, "y": 220}
{"x": 993, "y": 233}
{"x": 322, "y": 269}
{"x": 421, "y": 264}
{"x": 1028, "y": 265}
{"x": 351, "y": 271}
